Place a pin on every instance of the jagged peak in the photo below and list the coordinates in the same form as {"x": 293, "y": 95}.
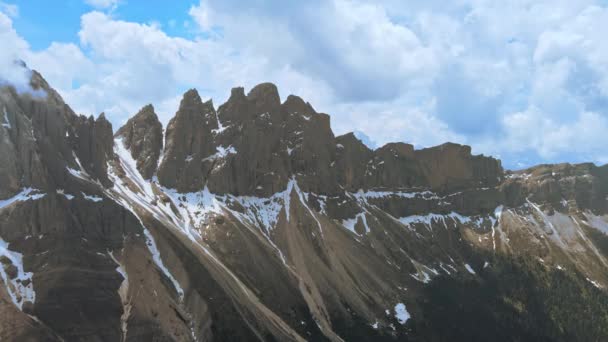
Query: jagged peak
{"x": 191, "y": 96}
{"x": 237, "y": 92}
{"x": 350, "y": 136}
{"x": 191, "y": 103}
{"x": 265, "y": 97}
{"x": 208, "y": 107}
{"x": 294, "y": 103}
{"x": 350, "y": 139}
{"x": 147, "y": 109}
{"x": 263, "y": 90}
{"x": 145, "y": 114}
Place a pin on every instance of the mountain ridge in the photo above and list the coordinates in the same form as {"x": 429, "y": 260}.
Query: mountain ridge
{"x": 255, "y": 222}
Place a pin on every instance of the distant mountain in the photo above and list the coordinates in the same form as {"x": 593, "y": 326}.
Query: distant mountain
{"x": 253, "y": 222}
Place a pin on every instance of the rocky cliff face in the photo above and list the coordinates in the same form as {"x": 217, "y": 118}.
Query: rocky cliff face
{"x": 142, "y": 135}
{"x": 253, "y": 221}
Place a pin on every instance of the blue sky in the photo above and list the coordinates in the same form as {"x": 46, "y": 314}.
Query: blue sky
{"x": 525, "y": 81}
{"x": 43, "y": 22}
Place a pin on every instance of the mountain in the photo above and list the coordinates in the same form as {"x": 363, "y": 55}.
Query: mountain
{"x": 253, "y": 222}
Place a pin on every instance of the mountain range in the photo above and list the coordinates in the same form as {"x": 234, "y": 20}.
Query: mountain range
{"x": 252, "y": 221}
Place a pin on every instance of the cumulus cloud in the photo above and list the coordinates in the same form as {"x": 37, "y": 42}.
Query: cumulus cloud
{"x": 14, "y": 48}
{"x": 525, "y": 80}
{"x": 583, "y": 136}
{"x": 103, "y": 4}
{"x": 354, "y": 47}
{"x": 9, "y": 9}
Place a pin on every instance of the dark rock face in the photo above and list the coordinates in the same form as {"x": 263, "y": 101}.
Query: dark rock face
{"x": 250, "y": 146}
{"x": 189, "y": 141}
{"x": 452, "y": 167}
{"x": 256, "y": 223}
{"x": 21, "y": 164}
{"x": 255, "y": 143}
{"x": 583, "y": 184}
{"x": 94, "y": 146}
{"x": 446, "y": 168}
{"x": 352, "y": 161}
{"x": 66, "y": 244}
{"x": 57, "y": 227}
{"x": 143, "y": 136}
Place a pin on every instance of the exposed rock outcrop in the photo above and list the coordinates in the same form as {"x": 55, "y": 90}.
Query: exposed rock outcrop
{"x": 142, "y": 135}
{"x": 189, "y": 144}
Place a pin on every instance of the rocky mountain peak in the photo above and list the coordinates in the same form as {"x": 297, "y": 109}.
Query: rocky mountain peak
{"x": 142, "y": 135}
{"x": 189, "y": 139}
{"x": 95, "y": 145}
{"x": 295, "y": 104}
{"x": 237, "y": 93}
{"x": 265, "y": 97}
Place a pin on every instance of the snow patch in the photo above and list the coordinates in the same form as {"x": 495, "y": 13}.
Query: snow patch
{"x": 15, "y": 287}
{"x": 595, "y": 283}
{"x": 498, "y": 216}
{"x": 350, "y": 223}
{"x": 428, "y": 219}
{"x": 6, "y": 123}
{"x": 598, "y": 222}
{"x": 293, "y": 184}
{"x": 469, "y": 268}
{"x": 159, "y": 262}
{"x": 129, "y": 165}
{"x": 524, "y": 176}
{"x": 222, "y": 152}
{"x": 195, "y": 206}
{"x": 25, "y": 195}
{"x": 80, "y": 173}
{"x": 62, "y": 192}
{"x": 401, "y": 313}
{"x": 220, "y": 128}
{"x": 92, "y": 198}
{"x": 400, "y": 194}
{"x": 264, "y": 211}
{"x": 421, "y": 275}
{"x": 123, "y": 292}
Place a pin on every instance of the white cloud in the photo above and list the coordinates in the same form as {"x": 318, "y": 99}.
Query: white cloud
{"x": 13, "y": 49}
{"x": 349, "y": 45}
{"x": 103, "y": 4}
{"x": 397, "y": 121}
{"x": 524, "y": 77}
{"x": 202, "y": 16}
{"x": 585, "y": 134}
{"x": 56, "y": 57}
{"x": 10, "y": 10}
